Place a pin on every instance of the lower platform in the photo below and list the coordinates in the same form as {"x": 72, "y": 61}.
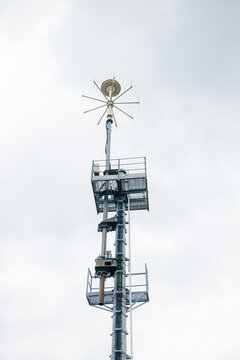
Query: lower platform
{"x": 139, "y": 290}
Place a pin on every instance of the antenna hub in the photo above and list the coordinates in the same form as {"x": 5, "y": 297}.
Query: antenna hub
{"x": 109, "y": 85}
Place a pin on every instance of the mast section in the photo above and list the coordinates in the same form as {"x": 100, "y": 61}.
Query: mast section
{"x": 118, "y": 185}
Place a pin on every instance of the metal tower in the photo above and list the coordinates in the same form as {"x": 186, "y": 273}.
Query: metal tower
{"x": 119, "y": 185}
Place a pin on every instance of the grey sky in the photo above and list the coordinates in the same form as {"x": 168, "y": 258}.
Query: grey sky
{"x": 183, "y": 59}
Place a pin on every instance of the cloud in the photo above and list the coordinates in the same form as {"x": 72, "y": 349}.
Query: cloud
{"x": 182, "y": 59}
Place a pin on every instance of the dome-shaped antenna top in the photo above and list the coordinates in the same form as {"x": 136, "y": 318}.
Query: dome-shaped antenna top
{"x": 110, "y": 85}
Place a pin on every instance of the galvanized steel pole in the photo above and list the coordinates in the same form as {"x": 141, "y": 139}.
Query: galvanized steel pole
{"x": 119, "y": 295}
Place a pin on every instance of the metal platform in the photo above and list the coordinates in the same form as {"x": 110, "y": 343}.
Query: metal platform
{"x": 127, "y": 175}
{"x": 139, "y": 290}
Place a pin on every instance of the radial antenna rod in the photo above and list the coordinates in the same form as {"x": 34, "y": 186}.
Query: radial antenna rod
{"x": 110, "y": 89}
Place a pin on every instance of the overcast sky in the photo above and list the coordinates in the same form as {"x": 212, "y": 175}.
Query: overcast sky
{"x": 183, "y": 59}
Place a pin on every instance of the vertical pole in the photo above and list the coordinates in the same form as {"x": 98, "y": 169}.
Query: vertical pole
{"x": 105, "y": 203}
{"x": 119, "y": 296}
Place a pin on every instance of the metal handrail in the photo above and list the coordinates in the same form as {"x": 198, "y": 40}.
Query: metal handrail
{"x": 90, "y": 278}
{"x": 100, "y": 165}
{"x": 127, "y": 286}
{"x": 136, "y": 157}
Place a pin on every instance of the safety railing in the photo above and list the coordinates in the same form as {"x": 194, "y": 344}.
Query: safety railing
{"x": 139, "y": 289}
{"x": 119, "y": 166}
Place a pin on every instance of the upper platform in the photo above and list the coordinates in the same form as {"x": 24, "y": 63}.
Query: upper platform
{"x": 128, "y": 176}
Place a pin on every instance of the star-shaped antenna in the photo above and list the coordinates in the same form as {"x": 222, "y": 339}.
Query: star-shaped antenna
{"x": 110, "y": 89}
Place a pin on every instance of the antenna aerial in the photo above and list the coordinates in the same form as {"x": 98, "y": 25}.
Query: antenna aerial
{"x": 110, "y": 89}
{"x": 118, "y": 185}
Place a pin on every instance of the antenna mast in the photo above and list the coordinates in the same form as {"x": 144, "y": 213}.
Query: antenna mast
{"x": 118, "y": 185}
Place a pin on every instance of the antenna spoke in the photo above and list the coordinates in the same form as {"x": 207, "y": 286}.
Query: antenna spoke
{"x": 98, "y": 107}
{"x": 123, "y": 93}
{"x": 109, "y": 87}
{"x": 89, "y": 97}
{"x": 100, "y": 90}
{"x": 123, "y": 112}
{"x": 115, "y": 122}
{"x": 102, "y": 117}
{"x": 132, "y": 102}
